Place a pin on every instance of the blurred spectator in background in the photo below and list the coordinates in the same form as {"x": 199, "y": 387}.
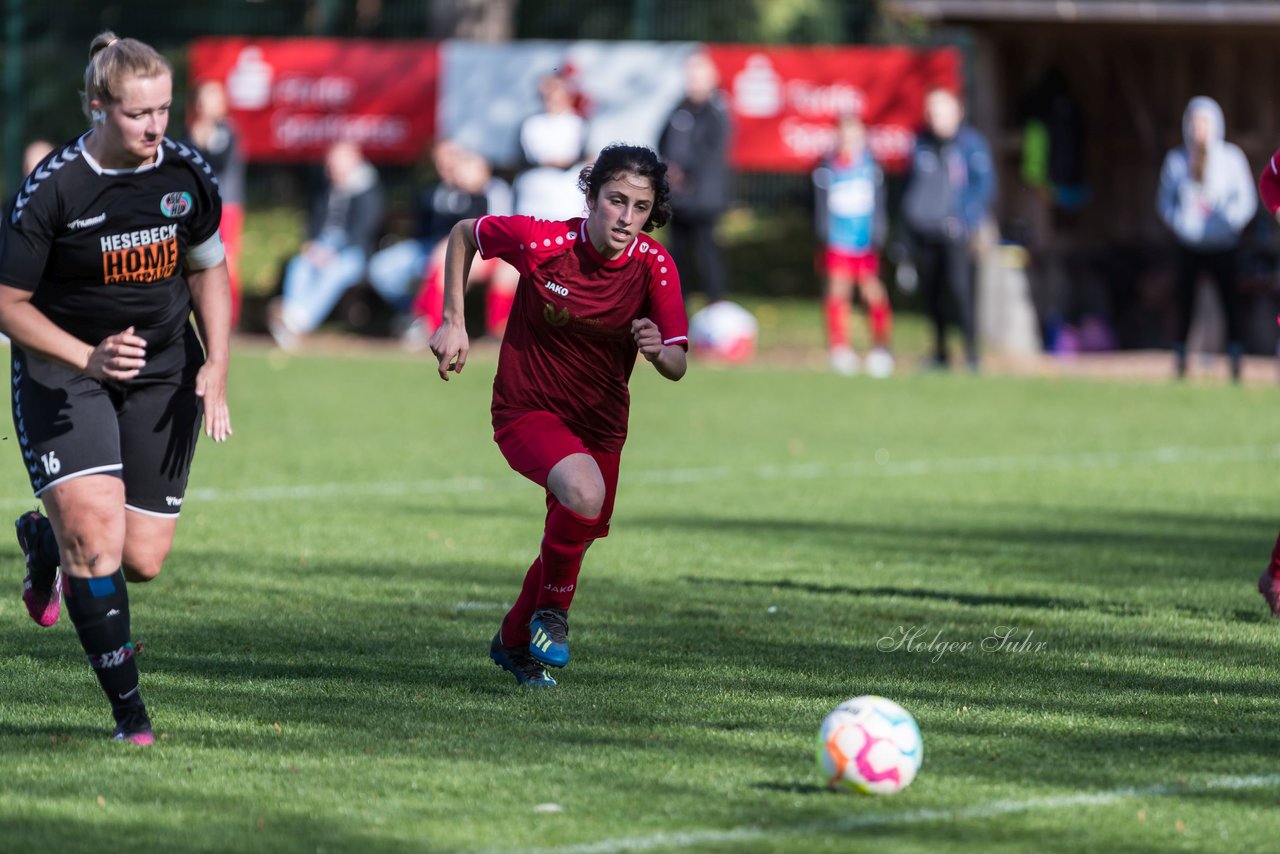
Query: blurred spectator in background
{"x": 36, "y": 150}
{"x": 343, "y": 228}
{"x": 695, "y": 146}
{"x": 1206, "y": 197}
{"x": 209, "y": 130}
{"x": 851, "y": 221}
{"x": 553, "y": 143}
{"x": 465, "y": 188}
{"x": 470, "y": 193}
{"x": 949, "y": 188}
{"x": 396, "y": 269}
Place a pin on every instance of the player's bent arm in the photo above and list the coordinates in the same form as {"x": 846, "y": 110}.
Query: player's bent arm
{"x": 669, "y": 359}
{"x": 449, "y": 343}
{"x": 671, "y": 362}
{"x": 459, "y": 254}
{"x": 1269, "y": 186}
{"x": 34, "y": 332}
{"x": 211, "y": 298}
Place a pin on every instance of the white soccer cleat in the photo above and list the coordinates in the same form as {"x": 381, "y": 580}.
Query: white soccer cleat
{"x": 879, "y": 363}
{"x": 844, "y": 361}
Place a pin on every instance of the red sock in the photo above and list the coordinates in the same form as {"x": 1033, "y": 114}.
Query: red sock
{"x": 429, "y": 304}
{"x": 515, "y": 625}
{"x": 553, "y": 576}
{"x": 563, "y": 545}
{"x": 837, "y": 322}
{"x": 497, "y": 308}
{"x": 881, "y": 323}
{"x": 1274, "y": 568}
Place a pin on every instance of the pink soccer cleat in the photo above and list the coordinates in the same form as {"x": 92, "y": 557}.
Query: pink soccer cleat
{"x": 42, "y": 588}
{"x": 133, "y": 726}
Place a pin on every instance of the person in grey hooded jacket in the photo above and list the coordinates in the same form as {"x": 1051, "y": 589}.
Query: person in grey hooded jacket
{"x": 1206, "y": 197}
{"x": 951, "y": 183}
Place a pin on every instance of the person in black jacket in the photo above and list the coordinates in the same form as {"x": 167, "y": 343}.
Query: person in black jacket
{"x": 950, "y": 185}
{"x": 695, "y": 147}
{"x": 343, "y": 228}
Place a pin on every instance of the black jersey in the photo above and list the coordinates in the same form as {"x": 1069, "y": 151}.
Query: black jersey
{"x": 104, "y": 249}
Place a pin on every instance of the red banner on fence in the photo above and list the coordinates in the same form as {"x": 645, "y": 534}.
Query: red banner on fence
{"x": 291, "y": 98}
{"x": 785, "y": 101}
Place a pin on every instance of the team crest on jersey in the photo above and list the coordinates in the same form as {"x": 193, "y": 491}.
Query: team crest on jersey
{"x": 555, "y": 318}
{"x": 175, "y": 205}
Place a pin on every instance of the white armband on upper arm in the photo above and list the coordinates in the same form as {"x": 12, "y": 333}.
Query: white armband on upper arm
{"x": 207, "y": 254}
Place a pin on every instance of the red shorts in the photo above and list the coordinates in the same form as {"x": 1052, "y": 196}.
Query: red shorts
{"x": 855, "y": 265}
{"x": 536, "y": 441}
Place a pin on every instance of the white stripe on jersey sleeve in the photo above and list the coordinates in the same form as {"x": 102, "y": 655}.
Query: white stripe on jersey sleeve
{"x": 475, "y": 232}
{"x": 207, "y": 254}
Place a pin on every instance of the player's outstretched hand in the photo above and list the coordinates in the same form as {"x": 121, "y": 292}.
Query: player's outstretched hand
{"x": 211, "y": 386}
{"x": 647, "y": 337}
{"x": 118, "y": 357}
{"x": 450, "y": 345}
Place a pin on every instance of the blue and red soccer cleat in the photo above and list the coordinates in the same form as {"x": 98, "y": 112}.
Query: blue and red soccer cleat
{"x": 42, "y": 588}
{"x": 517, "y": 661}
{"x": 549, "y": 636}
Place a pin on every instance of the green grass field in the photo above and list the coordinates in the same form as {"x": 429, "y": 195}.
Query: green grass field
{"x": 315, "y": 651}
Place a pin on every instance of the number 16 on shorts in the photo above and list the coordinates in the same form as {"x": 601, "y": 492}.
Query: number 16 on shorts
{"x": 52, "y": 465}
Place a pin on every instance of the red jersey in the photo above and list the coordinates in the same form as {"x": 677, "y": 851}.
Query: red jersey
{"x": 568, "y": 348}
{"x": 1269, "y": 185}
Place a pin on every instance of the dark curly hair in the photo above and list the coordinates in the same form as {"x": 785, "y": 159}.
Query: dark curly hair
{"x": 620, "y": 159}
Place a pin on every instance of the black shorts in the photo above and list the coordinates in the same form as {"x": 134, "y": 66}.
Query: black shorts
{"x": 143, "y": 431}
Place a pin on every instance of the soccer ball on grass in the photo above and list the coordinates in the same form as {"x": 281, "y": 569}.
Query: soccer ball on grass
{"x": 869, "y": 745}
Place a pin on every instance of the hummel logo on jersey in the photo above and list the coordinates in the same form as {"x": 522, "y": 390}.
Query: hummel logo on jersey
{"x": 88, "y": 221}
{"x": 557, "y": 289}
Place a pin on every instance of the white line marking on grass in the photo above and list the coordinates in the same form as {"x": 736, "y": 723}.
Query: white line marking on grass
{"x": 883, "y": 467}
{"x": 993, "y": 809}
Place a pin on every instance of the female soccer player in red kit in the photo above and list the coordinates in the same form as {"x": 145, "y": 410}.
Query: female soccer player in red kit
{"x": 1269, "y": 189}
{"x": 594, "y": 292}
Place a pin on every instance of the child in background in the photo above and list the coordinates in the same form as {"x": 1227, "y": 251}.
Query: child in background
{"x": 851, "y": 226}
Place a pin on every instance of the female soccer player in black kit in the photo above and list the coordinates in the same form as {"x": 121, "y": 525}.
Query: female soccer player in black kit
{"x": 110, "y": 245}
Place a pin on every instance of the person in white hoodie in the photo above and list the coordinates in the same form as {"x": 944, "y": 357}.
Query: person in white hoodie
{"x": 1206, "y": 197}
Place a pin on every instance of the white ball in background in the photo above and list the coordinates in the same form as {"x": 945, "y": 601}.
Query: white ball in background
{"x": 723, "y": 331}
